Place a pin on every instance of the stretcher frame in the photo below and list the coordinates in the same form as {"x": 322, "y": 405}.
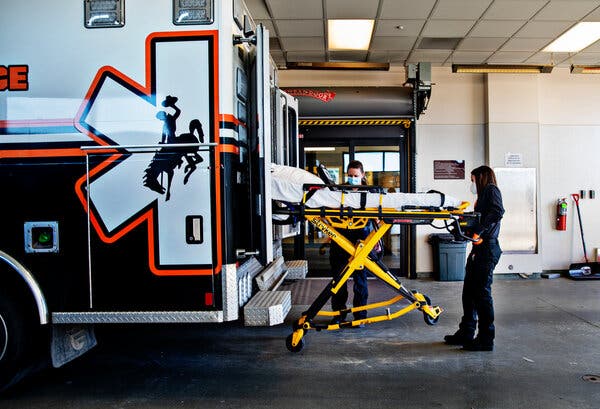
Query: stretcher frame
{"x": 329, "y": 220}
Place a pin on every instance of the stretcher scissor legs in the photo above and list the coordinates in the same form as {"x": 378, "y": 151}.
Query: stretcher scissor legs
{"x": 359, "y": 259}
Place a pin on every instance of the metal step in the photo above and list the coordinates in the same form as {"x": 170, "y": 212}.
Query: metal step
{"x": 245, "y": 276}
{"x": 296, "y": 269}
{"x": 267, "y": 308}
{"x": 270, "y": 275}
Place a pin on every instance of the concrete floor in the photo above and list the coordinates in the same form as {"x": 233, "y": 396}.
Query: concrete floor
{"x": 548, "y": 337}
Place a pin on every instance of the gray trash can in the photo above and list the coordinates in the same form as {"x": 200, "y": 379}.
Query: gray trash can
{"x": 449, "y": 257}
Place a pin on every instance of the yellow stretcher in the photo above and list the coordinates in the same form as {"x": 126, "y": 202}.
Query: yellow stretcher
{"x": 328, "y": 220}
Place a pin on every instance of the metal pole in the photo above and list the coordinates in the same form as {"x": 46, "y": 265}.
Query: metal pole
{"x": 576, "y": 199}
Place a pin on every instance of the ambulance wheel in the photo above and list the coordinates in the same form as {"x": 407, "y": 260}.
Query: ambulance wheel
{"x": 290, "y": 347}
{"x": 15, "y": 341}
{"x": 427, "y": 318}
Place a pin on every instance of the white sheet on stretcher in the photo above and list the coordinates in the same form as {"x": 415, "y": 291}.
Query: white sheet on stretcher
{"x": 287, "y": 185}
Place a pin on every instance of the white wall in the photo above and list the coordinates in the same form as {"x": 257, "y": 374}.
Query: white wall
{"x": 569, "y": 148}
{"x": 455, "y": 99}
{"x": 452, "y": 128}
{"x": 570, "y": 164}
{"x": 445, "y": 142}
{"x": 552, "y": 119}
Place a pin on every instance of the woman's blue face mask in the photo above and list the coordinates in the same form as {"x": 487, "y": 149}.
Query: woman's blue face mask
{"x": 354, "y": 180}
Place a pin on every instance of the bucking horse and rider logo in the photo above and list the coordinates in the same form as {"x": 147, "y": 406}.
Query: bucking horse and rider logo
{"x": 167, "y": 159}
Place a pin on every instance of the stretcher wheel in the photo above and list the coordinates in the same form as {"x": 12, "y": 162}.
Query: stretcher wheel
{"x": 428, "y": 319}
{"x": 290, "y": 347}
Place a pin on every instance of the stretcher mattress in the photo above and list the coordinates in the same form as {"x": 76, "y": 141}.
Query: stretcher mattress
{"x": 287, "y": 186}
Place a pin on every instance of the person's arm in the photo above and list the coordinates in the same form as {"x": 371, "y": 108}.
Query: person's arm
{"x": 492, "y": 208}
{"x": 177, "y": 111}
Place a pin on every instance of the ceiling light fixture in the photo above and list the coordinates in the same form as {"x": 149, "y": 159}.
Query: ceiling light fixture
{"x": 585, "y": 69}
{"x": 501, "y": 69}
{"x": 319, "y": 149}
{"x": 349, "y": 34}
{"x": 576, "y": 39}
{"x": 307, "y": 65}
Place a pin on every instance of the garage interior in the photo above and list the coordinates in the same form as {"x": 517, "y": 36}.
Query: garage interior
{"x": 539, "y": 130}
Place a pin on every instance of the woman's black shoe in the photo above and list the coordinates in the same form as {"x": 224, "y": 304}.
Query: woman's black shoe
{"x": 457, "y": 339}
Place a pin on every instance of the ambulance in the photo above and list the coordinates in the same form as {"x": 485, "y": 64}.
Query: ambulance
{"x": 136, "y": 140}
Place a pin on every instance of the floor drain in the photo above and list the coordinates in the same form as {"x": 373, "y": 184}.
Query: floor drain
{"x": 591, "y": 378}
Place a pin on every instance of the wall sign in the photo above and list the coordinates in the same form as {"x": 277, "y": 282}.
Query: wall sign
{"x": 448, "y": 169}
{"x": 323, "y": 95}
{"x": 513, "y": 160}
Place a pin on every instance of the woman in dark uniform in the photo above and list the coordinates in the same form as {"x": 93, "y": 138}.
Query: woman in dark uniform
{"x": 477, "y": 289}
{"x": 338, "y": 258}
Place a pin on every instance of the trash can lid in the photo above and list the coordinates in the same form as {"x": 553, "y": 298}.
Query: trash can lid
{"x": 441, "y": 238}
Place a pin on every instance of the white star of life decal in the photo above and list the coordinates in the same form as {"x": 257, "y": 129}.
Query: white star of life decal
{"x": 161, "y": 187}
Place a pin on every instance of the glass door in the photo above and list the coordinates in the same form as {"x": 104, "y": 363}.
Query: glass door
{"x": 315, "y": 244}
{"x": 382, "y": 163}
{"x": 382, "y": 168}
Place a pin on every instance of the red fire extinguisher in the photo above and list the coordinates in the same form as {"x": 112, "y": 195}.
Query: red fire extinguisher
{"x": 561, "y": 214}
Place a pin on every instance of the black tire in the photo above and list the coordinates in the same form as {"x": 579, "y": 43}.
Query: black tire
{"x": 15, "y": 341}
{"x": 290, "y": 347}
{"x": 428, "y": 320}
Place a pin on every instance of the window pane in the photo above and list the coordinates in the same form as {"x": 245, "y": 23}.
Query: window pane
{"x": 392, "y": 162}
{"x": 372, "y": 161}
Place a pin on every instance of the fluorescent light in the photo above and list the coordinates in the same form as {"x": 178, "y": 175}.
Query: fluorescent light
{"x": 576, "y": 39}
{"x": 501, "y": 69}
{"x": 348, "y": 65}
{"x": 319, "y": 149}
{"x": 349, "y": 34}
{"x": 585, "y": 69}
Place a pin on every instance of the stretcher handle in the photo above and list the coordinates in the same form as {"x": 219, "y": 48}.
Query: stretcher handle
{"x": 463, "y": 206}
{"x": 457, "y": 232}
